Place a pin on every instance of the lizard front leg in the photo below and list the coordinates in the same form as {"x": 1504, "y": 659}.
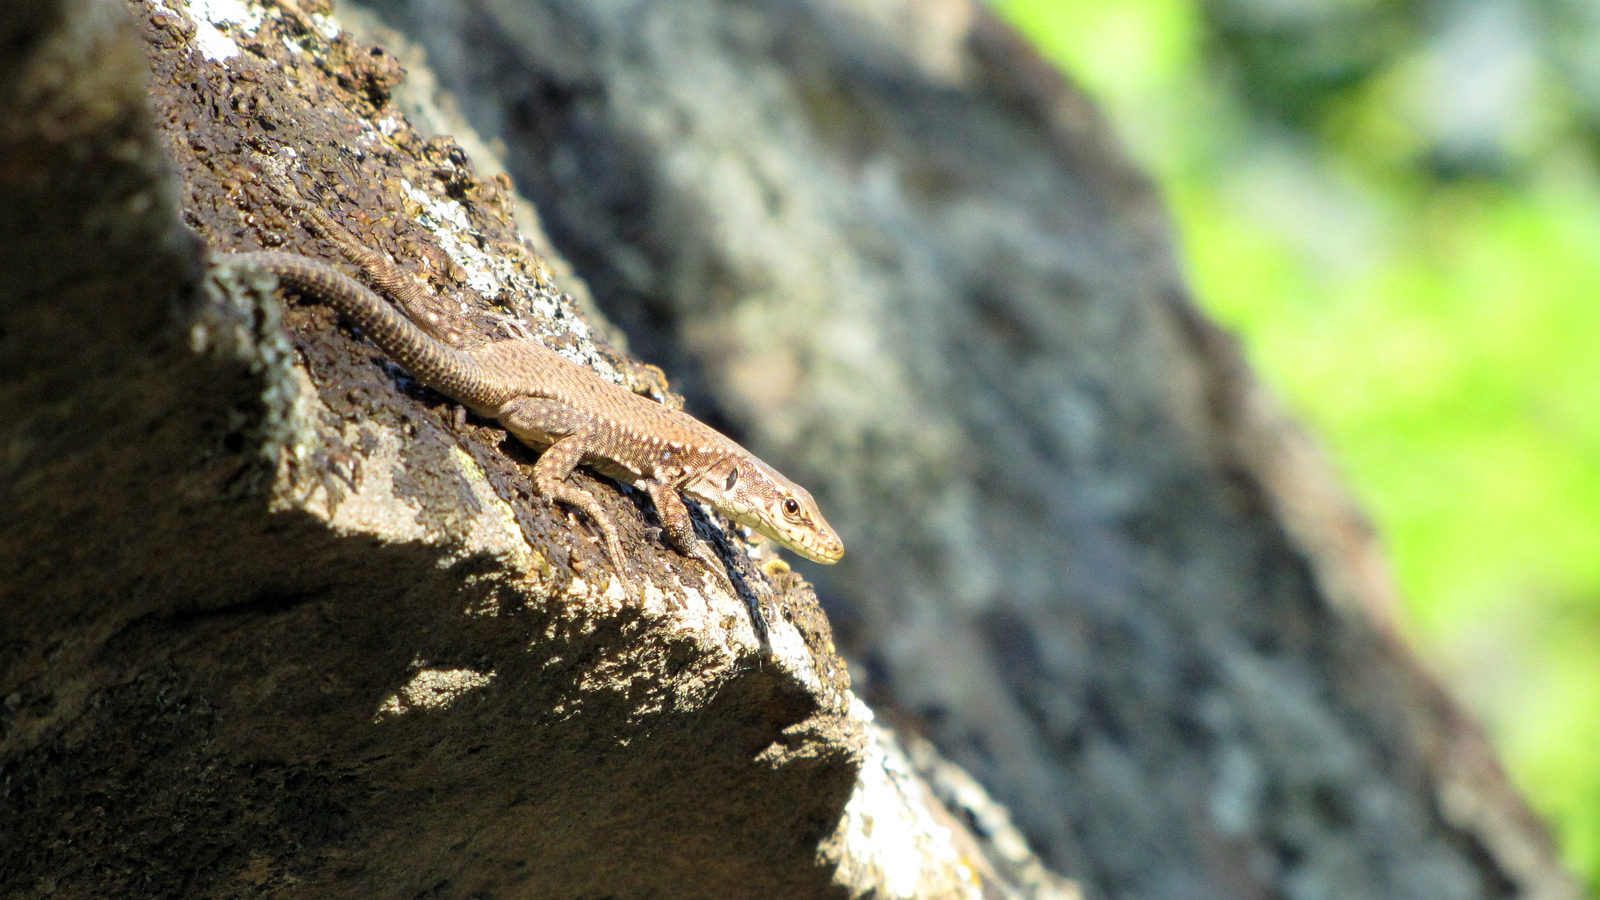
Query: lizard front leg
{"x": 675, "y": 521}
{"x": 536, "y": 421}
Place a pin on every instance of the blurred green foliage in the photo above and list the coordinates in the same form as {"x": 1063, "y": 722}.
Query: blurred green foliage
{"x": 1397, "y": 205}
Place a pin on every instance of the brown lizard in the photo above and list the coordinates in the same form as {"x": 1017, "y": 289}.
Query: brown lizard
{"x": 548, "y": 401}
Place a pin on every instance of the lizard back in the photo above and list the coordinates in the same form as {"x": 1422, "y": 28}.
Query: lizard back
{"x": 633, "y": 436}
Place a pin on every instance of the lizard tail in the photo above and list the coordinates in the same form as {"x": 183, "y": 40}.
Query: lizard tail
{"x": 435, "y": 364}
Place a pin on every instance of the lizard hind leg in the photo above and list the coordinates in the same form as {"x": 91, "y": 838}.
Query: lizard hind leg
{"x": 550, "y": 478}
{"x": 535, "y": 421}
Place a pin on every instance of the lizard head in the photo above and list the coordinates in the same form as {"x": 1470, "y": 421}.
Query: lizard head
{"x": 753, "y": 494}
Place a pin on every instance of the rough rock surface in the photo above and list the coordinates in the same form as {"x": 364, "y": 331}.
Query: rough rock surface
{"x": 1089, "y": 557}
{"x": 273, "y": 625}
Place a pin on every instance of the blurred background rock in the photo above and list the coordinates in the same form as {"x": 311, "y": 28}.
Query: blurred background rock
{"x": 1396, "y": 205}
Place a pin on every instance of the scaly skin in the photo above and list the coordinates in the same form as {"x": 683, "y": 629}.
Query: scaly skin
{"x": 550, "y": 402}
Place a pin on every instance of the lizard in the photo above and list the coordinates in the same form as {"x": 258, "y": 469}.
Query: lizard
{"x": 552, "y": 404}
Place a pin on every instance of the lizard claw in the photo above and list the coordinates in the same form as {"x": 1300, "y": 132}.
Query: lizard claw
{"x": 713, "y": 565}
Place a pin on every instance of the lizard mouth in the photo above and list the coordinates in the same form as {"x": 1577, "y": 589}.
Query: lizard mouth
{"x": 824, "y": 548}
{"x": 828, "y": 553}
{"x": 828, "y": 550}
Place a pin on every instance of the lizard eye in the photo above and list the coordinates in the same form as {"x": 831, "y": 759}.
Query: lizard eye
{"x": 791, "y": 507}
{"x": 733, "y": 479}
